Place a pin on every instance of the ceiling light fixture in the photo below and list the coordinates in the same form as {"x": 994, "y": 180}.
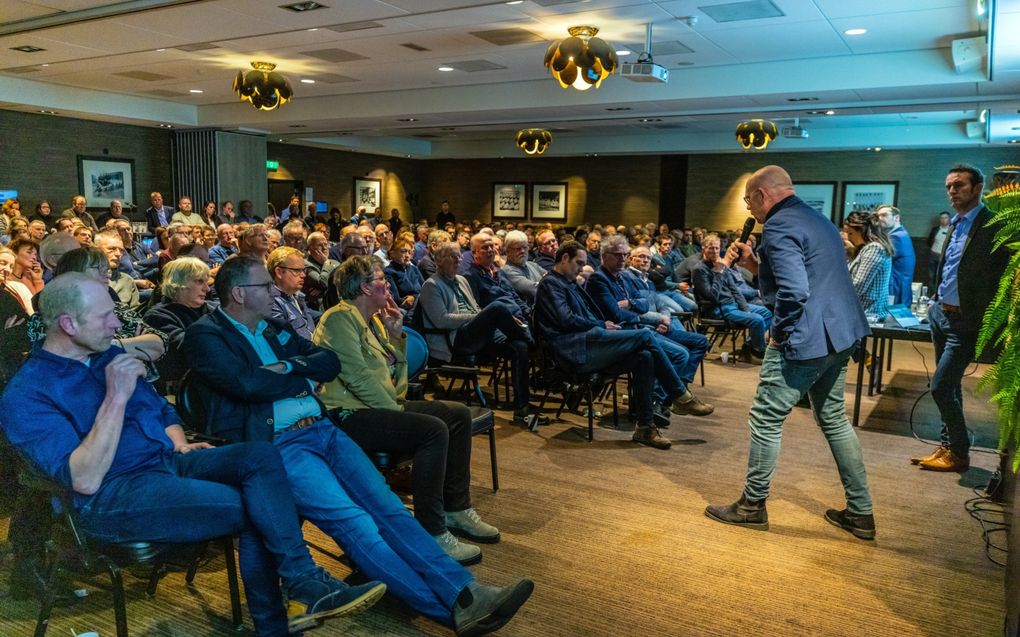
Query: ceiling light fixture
{"x": 512, "y": 2}
{"x": 263, "y": 87}
{"x": 27, "y": 48}
{"x": 196, "y": 91}
{"x": 45, "y": 112}
{"x": 445, "y": 69}
{"x": 855, "y": 32}
{"x": 306, "y": 80}
{"x": 407, "y": 119}
{"x": 623, "y": 51}
{"x": 533, "y": 141}
{"x": 756, "y": 133}
{"x": 165, "y": 126}
{"x": 582, "y": 60}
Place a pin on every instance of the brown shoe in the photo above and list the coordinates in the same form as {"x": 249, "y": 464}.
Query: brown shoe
{"x": 649, "y": 435}
{"x": 690, "y": 405}
{"x": 948, "y": 461}
{"x": 934, "y": 455}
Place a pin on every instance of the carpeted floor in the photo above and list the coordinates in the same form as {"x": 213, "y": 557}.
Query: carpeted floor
{"x": 615, "y": 537}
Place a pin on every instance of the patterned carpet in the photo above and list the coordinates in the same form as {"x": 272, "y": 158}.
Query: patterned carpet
{"x": 614, "y": 536}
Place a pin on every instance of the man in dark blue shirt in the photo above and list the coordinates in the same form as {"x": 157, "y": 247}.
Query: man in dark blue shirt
{"x": 79, "y": 411}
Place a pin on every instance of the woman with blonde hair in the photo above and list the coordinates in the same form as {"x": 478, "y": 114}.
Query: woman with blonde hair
{"x": 185, "y": 300}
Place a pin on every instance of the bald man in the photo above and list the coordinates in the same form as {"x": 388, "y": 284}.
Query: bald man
{"x": 816, "y": 324}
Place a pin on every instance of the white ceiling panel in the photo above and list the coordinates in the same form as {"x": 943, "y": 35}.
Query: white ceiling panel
{"x": 18, "y": 10}
{"x": 928, "y": 29}
{"x": 213, "y": 24}
{"x": 71, "y": 5}
{"x": 337, "y": 12}
{"x": 963, "y": 89}
{"x": 794, "y": 10}
{"x": 767, "y": 43}
{"x": 846, "y": 9}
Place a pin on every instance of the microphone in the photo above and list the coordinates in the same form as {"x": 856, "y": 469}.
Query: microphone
{"x": 746, "y": 232}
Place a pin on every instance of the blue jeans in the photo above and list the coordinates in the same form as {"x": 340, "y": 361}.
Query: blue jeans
{"x": 954, "y": 350}
{"x": 682, "y": 303}
{"x": 208, "y": 493}
{"x": 638, "y": 352}
{"x": 756, "y": 319}
{"x": 781, "y": 384}
{"x": 696, "y": 345}
{"x": 339, "y": 490}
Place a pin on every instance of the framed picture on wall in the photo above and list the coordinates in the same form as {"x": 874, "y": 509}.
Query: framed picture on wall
{"x": 867, "y": 195}
{"x": 820, "y": 195}
{"x": 549, "y": 201}
{"x": 509, "y": 201}
{"x": 103, "y": 179}
{"x": 367, "y": 194}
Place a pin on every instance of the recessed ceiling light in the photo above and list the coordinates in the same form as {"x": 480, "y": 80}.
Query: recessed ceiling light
{"x": 27, "y": 48}
{"x": 510, "y": 2}
{"x": 1013, "y": 141}
{"x": 407, "y": 119}
{"x": 306, "y": 80}
{"x": 300, "y": 7}
{"x": 165, "y": 126}
{"x": 279, "y": 140}
{"x": 855, "y": 32}
{"x": 445, "y": 69}
{"x": 624, "y": 52}
{"x": 45, "y": 112}
{"x": 314, "y": 29}
{"x": 196, "y": 90}
{"x": 802, "y": 99}
{"x": 160, "y": 50}
{"x": 878, "y": 149}
{"x": 44, "y": 65}
{"x": 646, "y": 120}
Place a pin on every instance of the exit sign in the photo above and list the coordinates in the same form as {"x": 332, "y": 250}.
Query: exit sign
{"x": 272, "y": 165}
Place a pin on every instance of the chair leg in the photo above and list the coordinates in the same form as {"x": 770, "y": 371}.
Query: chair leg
{"x": 235, "y": 591}
{"x": 591, "y": 414}
{"x": 158, "y": 571}
{"x": 189, "y": 577}
{"x": 46, "y": 608}
{"x": 492, "y": 459}
{"x": 117, "y": 587}
{"x": 702, "y": 366}
{"x": 616, "y": 410}
{"x": 478, "y": 391}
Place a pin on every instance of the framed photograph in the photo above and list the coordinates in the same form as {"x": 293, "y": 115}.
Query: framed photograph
{"x": 867, "y": 195}
{"x": 549, "y": 201}
{"x": 367, "y": 193}
{"x": 820, "y": 195}
{"x": 103, "y": 179}
{"x": 509, "y": 201}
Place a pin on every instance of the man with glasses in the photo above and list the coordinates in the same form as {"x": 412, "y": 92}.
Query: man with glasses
{"x": 619, "y": 300}
{"x": 258, "y": 382}
{"x": 287, "y": 267}
{"x": 546, "y": 246}
{"x": 109, "y": 242}
{"x": 816, "y": 324}
{"x": 254, "y": 242}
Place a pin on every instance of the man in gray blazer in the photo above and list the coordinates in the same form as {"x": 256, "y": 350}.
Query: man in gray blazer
{"x": 816, "y": 324}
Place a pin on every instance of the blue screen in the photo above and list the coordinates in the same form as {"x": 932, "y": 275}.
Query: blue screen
{"x": 321, "y": 206}
{"x": 8, "y": 194}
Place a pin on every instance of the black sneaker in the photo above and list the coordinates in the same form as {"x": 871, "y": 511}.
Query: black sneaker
{"x": 315, "y": 599}
{"x": 747, "y": 513}
{"x": 482, "y": 609}
{"x": 861, "y": 526}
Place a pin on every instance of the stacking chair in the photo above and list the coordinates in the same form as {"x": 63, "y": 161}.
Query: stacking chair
{"x": 718, "y": 330}
{"x": 570, "y": 385}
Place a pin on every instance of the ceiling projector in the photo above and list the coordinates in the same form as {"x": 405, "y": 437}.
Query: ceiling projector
{"x": 644, "y": 72}
{"x": 795, "y": 132}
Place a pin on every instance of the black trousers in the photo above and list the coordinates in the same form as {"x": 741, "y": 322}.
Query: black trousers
{"x": 438, "y": 434}
{"x": 495, "y": 332}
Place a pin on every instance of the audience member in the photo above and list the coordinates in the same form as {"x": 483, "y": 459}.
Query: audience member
{"x": 254, "y": 242}
{"x": 936, "y": 241}
{"x": 82, "y": 234}
{"x": 903, "y": 255}
{"x": 872, "y": 265}
{"x": 546, "y": 246}
{"x": 444, "y": 216}
{"x": 287, "y": 267}
{"x": 318, "y": 268}
{"x": 43, "y": 213}
{"x": 226, "y": 244}
{"x": 257, "y": 383}
{"x": 295, "y": 235}
{"x": 79, "y": 204}
{"x": 186, "y": 215}
{"x": 115, "y": 212}
{"x": 110, "y": 243}
{"x": 524, "y": 275}
{"x": 27, "y": 269}
{"x": 185, "y": 291}
{"x": 404, "y": 277}
{"x": 427, "y": 264}
{"x": 158, "y": 215}
{"x": 246, "y": 213}
{"x": 383, "y": 239}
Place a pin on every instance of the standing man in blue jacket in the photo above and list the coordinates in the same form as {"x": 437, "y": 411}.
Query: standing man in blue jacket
{"x": 903, "y": 255}
{"x": 816, "y": 323}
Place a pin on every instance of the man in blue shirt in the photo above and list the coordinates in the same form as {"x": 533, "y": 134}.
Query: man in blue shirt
{"x": 903, "y": 255}
{"x": 226, "y": 244}
{"x": 80, "y": 412}
{"x": 816, "y": 324}
{"x": 967, "y": 279}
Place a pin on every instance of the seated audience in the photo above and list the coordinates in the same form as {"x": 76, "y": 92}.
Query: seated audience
{"x": 455, "y": 324}
{"x": 80, "y": 412}
{"x": 186, "y": 215}
{"x": 579, "y": 339}
{"x": 872, "y": 266}
{"x": 523, "y": 274}
{"x": 254, "y": 242}
{"x": 295, "y": 235}
{"x": 427, "y": 263}
{"x": 717, "y": 286}
{"x": 421, "y": 235}
{"x": 115, "y": 212}
{"x": 246, "y": 213}
{"x": 185, "y": 290}
{"x": 404, "y": 277}
{"x": 287, "y": 267}
{"x": 257, "y": 383}
{"x": 226, "y": 244}
{"x": 37, "y": 230}
{"x": 364, "y": 330}
{"x": 383, "y": 239}
{"x": 619, "y": 298}
{"x": 44, "y": 213}
{"x": 14, "y": 289}
{"x": 110, "y": 243}
{"x": 15, "y": 308}
{"x": 318, "y": 268}
{"x": 546, "y": 246}
{"x": 78, "y": 211}
{"x": 27, "y": 269}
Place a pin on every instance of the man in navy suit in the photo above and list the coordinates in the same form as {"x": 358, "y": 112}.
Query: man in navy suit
{"x": 816, "y": 324}
{"x": 903, "y": 255}
{"x": 158, "y": 215}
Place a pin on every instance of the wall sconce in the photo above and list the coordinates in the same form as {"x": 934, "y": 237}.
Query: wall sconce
{"x": 263, "y": 87}
{"x": 756, "y": 133}
{"x": 582, "y": 60}
{"x": 533, "y": 141}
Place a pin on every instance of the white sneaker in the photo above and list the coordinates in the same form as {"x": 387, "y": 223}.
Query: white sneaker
{"x": 464, "y": 553}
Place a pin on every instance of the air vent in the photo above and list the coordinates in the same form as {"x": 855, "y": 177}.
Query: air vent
{"x": 334, "y": 55}
{"x": 27, "y": 48}
{"x": 354, "y": 26}
{"x": 145, "y": 76}
{"x": 414, "y": 47}
{"x": 670, "y": 47}
{"x": 616, "y": 109}
{"x": 301, "y": 7}
{"x": 740, "y": 11}
{"x": 802, "y": 99}
{"x": 198, "y": 46}
{"x": 334, "y": 78}
{"x": 508, "y": 37}
{"x": 472, "y": 66}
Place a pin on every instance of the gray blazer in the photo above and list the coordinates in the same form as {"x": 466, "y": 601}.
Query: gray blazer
{"x": 439, "y": 311}
{"x": 525, "y": 279}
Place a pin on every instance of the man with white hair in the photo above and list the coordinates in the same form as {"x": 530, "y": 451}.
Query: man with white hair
{"x": 112, "y": 245}
{"x": 226, "y": 244}
{"x": 523, "y": 274}
{"x": 384, "y": 239}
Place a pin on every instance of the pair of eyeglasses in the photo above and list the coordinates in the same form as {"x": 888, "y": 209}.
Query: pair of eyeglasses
{"x": 294, "y": 270}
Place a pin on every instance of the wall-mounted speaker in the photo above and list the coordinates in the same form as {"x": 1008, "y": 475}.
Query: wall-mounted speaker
{"x": 969, "y": 54}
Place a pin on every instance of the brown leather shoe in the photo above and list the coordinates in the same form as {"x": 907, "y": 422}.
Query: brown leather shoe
{"x": 649, "y": 435}
{"x": 934, "y": 455}
{"x": 948, "y": 461}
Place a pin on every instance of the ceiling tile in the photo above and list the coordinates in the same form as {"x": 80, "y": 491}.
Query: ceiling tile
{"x": 844, "y": 9}
{"x": 927, "y": 29}
{"x": 769, "y": 43}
